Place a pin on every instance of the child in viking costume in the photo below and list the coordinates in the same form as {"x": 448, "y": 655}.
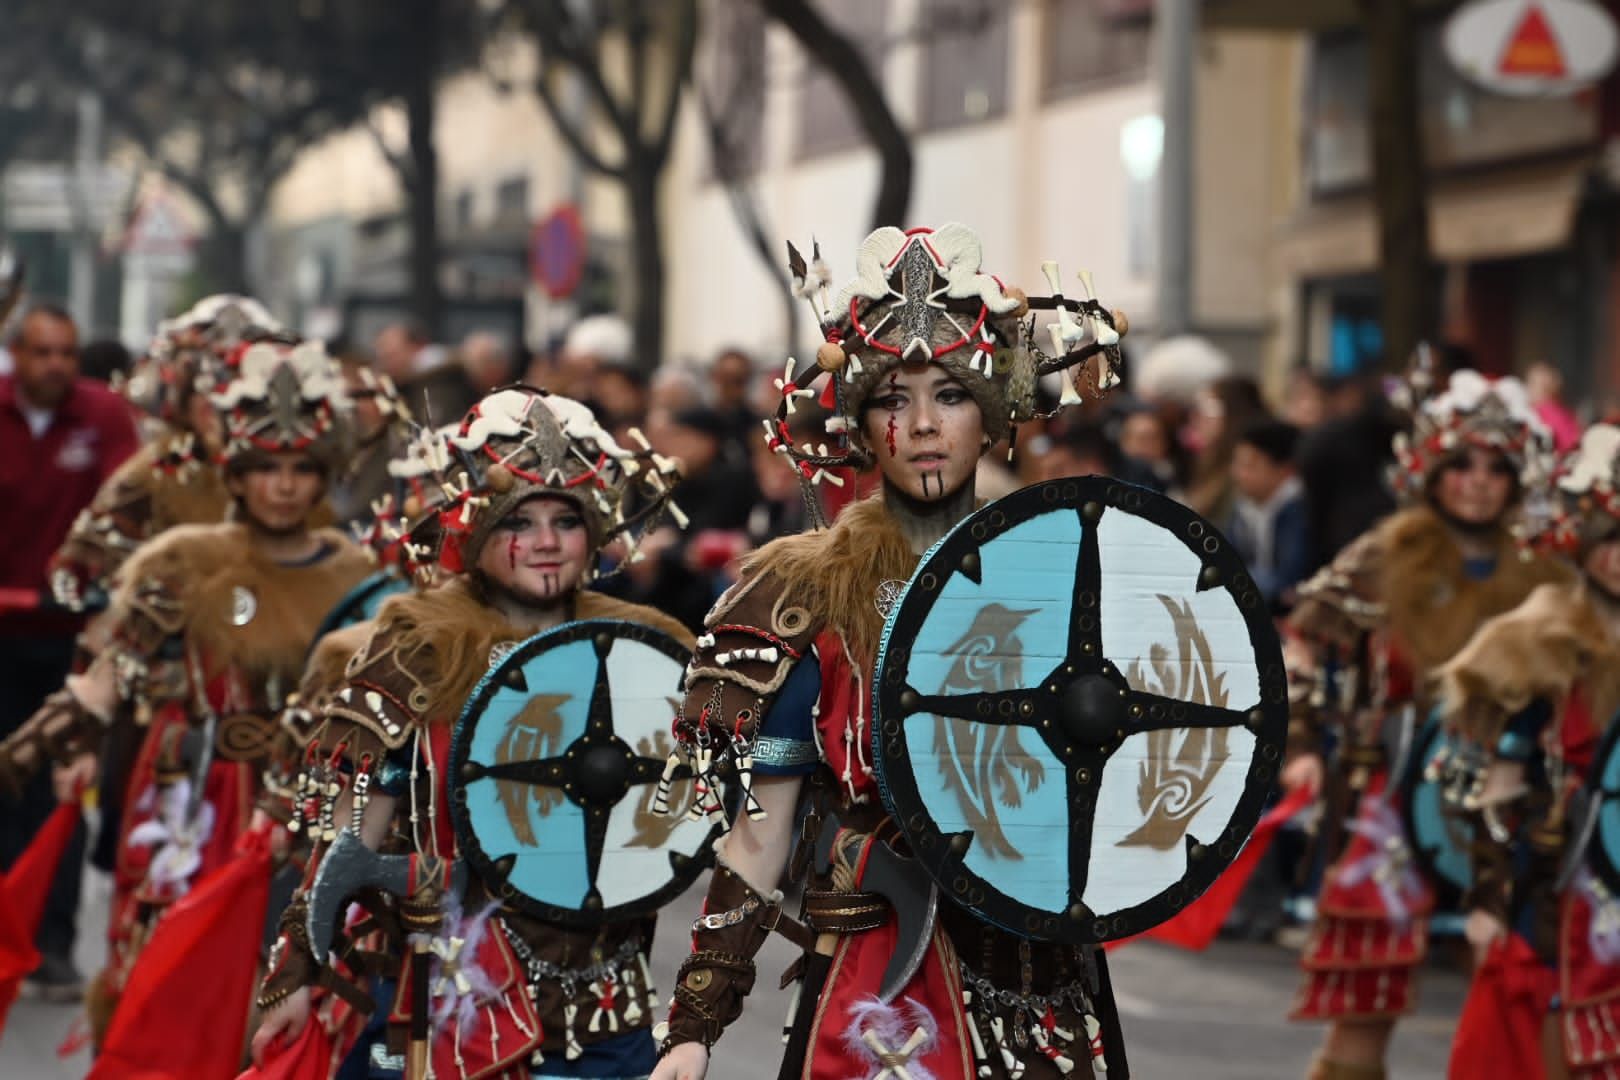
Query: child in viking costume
{"x": 207, "y": 635}
{"x": 929, "y": 365}
{"x": 1531, "y": 694}
{"x": 535, "y": 490}
{"x": 1371, "y": 629}
{"x": 172, "y": 479}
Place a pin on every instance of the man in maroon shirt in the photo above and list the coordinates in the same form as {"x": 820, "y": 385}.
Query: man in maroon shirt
{"x": 61, "y": 436}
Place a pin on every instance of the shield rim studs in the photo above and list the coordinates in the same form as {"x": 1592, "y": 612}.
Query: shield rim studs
{"x": 894, "y": 700}
{"x": 488, "y": 865}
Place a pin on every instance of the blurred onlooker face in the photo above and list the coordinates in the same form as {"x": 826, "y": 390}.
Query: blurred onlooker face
{"x": 694, "y": 449}
{"x": 1143, "y": 436}
{"x": 45, "y": 354}
{"x": 1543, "y": 382}
{"x": 1307, "y": 401}
{"x": 1064, "y": 461}
{"x": 1208, "y": 420}
{"x": 773, "y": 473}
{"x": 368, "y": 416}
{"x": 1256, "y": 474}
{"x": 620, "y": 396}
{"x": 729, "y": 378}
{"x": 484, "y": 359}
{"x": 575, "y": 375}
{"x": 673, "y": 389}
{"x": 396, "y": 352}
{"x": 1476, "y": 486}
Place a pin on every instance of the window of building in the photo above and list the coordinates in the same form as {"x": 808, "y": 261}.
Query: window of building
{"x": 461, "y": 214}
{"x": 1463, "y": 125}
{"x": 512, "y": 201}
{"x": 964, "y": 61}
{"x": 826, "y": 121}
{"x": 1091, "y": 43}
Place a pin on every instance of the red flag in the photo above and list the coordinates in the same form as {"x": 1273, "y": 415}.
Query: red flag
{"x": 1499, "y": 1031}
{"x": 184, "y": 1011}
{"x": 22, "y": 901}
{"x": 308, "y": 1058}
{"x": 1198, "y": 923}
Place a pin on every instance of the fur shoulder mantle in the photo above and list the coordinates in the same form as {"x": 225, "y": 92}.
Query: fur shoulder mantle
{"x": 1432, "y": 605}
{"x": 443, "y": 637}
{"x": 835, "y": 572}
{"x": 242, "y": 609}
{"x": 1537, "y": 651}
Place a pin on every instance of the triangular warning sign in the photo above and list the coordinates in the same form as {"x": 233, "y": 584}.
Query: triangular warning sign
{"x": 1532, "y": 49}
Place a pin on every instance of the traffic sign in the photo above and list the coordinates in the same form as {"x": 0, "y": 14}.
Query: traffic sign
{"x": 1532, "y": 48}
{"x": 557, "y": 252}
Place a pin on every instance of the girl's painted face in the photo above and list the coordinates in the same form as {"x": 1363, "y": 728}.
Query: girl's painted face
{"x": 925, "y": 430}
{"x": 279, "y": 493}
{"x": 539, "y": 551}
{"x": 1602, "y": 565}
{"x": 1476, "y": 486}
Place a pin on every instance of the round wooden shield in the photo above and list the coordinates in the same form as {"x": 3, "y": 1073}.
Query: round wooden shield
{"x": 1438, "y": 834}
{"x": 554, "y": 764}
{"x": 1603, "y": 785}
{"x": 1080, "y": 710}
{"x": 361, "y": 602}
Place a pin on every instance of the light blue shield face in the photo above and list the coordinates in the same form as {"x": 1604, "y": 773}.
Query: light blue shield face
{"x": 538, "y": 824}
{"x": 1002, "y": 783}
{"x": 1608, "y": 823}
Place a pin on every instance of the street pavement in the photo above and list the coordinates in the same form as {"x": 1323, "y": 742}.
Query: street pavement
{"x": 1217, "y": 1015}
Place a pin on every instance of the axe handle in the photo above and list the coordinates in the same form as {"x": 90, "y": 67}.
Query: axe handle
{"x": 416, "y": 1054}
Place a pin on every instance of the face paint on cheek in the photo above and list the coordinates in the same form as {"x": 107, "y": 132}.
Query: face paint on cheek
{"x": 511, "y": 552}
{"x": 894, "y": 386}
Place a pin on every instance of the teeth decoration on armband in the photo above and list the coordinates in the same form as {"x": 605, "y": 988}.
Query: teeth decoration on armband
{"x": 618, "y": 991}
{"x": 1021, "y": 1024}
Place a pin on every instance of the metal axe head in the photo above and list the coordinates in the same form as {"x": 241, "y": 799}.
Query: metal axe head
{"x": 915, "y": 899}
{"x": 347, "y": 867}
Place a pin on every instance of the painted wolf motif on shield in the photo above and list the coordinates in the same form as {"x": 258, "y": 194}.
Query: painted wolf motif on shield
{"x": 1181, "y": 763}
{"x": 535, "y": 732}
{"x": 984, "y": 765}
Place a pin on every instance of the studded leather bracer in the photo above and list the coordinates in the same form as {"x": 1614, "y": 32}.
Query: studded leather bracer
{"x": 292, "y": 965}
{"x": 102, "y": 537}
{"x": 59, "y": 731}
{"x": 719, "y": 972}
{"x": 380, "y": 694}
{"x": 752, "y": 639}
{"x": 1343, "y": 600}
{"x": 1491, "y": 862}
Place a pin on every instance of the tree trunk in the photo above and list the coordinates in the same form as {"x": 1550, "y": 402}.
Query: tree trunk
{"x": 647, "y": 266}
{"x": 834, "y": 52}
{"x": 422, "y": 190}
{"x": 222, "y": 258}
{"x": 1400, "y": 180}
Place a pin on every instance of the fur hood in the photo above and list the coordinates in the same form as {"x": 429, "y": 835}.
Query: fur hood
{"x": 1433, "y": 606}
{"x": 1537, "y": 651}
{"x": 204, "y": 569}
{"x": 444, "y": 635}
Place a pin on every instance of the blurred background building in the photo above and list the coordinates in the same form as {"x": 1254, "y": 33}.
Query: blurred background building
{"x": 1041, "y": 122}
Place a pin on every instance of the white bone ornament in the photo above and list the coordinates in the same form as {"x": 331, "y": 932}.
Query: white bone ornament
{"x": 894, "y": 1061}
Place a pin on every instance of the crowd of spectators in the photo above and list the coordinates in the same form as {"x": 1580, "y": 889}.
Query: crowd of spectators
{"x": 1290, "y": 480}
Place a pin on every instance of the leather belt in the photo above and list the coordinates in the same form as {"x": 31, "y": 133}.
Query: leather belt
{"x": 830, "y": 911}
